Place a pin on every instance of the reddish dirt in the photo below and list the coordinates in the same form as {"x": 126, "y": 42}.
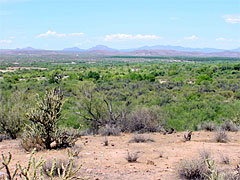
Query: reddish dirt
{"x": 101, "y": 162}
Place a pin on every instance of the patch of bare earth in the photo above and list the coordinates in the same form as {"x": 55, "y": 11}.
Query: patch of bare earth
{"x": 101, "y": 162}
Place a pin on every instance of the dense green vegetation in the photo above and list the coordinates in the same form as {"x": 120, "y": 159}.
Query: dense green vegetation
{"x": 183, "y": 94}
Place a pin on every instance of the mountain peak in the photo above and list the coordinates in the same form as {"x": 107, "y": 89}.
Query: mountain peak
{"x": 73, "y": 49}
{"x": 101, "y": 48}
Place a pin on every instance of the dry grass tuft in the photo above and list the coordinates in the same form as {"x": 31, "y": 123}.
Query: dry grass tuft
{"x": 138, "y": 138}
{"x": 132, "y": 157}
{"x": 221, "y": 136}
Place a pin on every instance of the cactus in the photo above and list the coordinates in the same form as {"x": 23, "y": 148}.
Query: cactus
{"x": 5, "y": 164}
{"x": 213, "y": 172}
{"x": 46, "y": 115}
{"x": 33, "y": 170}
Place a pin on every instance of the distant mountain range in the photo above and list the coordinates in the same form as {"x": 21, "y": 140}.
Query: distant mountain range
{"x": 159, "y": 50}
{"x": 158, "y": 47}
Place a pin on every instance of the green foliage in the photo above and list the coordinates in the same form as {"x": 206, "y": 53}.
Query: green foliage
{"x": 12, "y": 107}
{"x": 187, "y": 93}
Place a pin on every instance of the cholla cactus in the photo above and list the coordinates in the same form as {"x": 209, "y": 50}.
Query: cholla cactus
{"x": 5, "y": 164}
{"x": 66, "y": 172}
{"x": 36, "y": 173}
{"x": 46, "y": 116}
{"x": 33, "y": 170}
{"x": 213, "y": 172}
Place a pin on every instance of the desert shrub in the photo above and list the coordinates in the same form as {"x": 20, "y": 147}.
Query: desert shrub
{"x": 31, "y": 139}
{"x": 138, "y": 138}
{"x": 12, "y": 109}
{"x": 4, "y": 137}
{"x": 44, "y": 121}
{"x": 86, "y": 132}
{"x": 208, "y": 126}
{"x": 192, "y": 169}
{"x": 132, "y": 157}
{"x": 229, "y": 126}
{"x": 144, "y": 120}
{"x": 109, "y": 130}
{"x": 204, "y": 154}
{"x": 65, "y": 138}
{"x": 225, "y": 159}
{"x": 221, "y": 136}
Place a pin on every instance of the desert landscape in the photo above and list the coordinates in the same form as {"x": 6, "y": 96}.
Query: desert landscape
{"x": 158, "y": 160}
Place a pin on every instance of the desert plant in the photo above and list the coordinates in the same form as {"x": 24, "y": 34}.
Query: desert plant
{"x": 109, "y": 130}
{"x": 65, "y": 138}
{"x": 46, "y": 116}
{"x": 65, "y": 169}
{"x": 192, "y": 169}
{"x": 32, "y": 171}
{"x": 105, "y": 142}
{"x": 44, "y": 120}
{"x": 144, "y": 120}
{"x": 12, "y": 110}
{"x": 138, "y": 138}
{"x": 4, "y": 137}
{"x": 34, "y": 168}
{"x": 204, "y": 154}
{"x": 229, "y": 126}
{"x": 31, "y": 139}
{"x": 208, "y": 126}
{"x": 58, "y": 167}
{"x": 225, "y": 159}
{"x": 213, "y": 173}
{"x": 75, "y": 150}
{"x": 132, "y": 157}
{"x": 221, "y": 136}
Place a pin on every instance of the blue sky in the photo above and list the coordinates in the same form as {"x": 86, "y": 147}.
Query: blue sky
{"x": 57, "y": 24}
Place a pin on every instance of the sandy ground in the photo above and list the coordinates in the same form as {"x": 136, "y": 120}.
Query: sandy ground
{"x": 101, "y": 162}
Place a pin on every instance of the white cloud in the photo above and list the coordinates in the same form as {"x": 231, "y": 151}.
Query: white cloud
{"x": 6, "y": 41}
{"x": 193, "y": 37}
{"x": 120, "y": 37}
{"x": 232, "y": 19}
{"x": 54, "y": 33}
{"x": 76, "y": 34}
{"x": 227, "y": 40}
{"x": 224, "y": 39}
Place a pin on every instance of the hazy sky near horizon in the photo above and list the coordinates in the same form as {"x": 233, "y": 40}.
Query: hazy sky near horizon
{"x": 57, "y": 24}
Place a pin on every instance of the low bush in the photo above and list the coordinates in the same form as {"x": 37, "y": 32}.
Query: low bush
{"x": 204, "y": 154}
{"x": 132, "y": 157}
{"x": 109, "y": 131}
{"x": 225, "y": 159}
{"x": 138, "y": 138}
{"x": 144, "y": 120}
{"x": 229, "y": 126}
{"x": 208, "y": 126}
{"x": 192, "y": 169}
{"x": 221, "y": 136}
{"x": 4, "y": 137}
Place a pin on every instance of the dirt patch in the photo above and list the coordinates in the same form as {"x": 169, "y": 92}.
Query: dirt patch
{"x": 108, "y": 162}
